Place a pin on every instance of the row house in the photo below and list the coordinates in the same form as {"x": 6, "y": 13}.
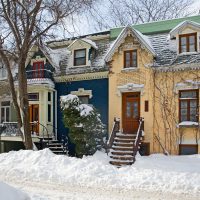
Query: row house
{"x": 148, "y": 71}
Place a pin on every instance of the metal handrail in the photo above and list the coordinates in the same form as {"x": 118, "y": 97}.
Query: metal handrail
{"x": 115, "y": 130}
{"x": 138, "y": 136}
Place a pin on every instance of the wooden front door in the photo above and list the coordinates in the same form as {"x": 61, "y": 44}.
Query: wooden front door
{"x": 34, "y": 117}
{"x": 130, "y": 112}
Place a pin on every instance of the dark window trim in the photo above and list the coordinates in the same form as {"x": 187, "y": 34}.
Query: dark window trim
{"x": 81, "y": 57}
{"x": 187, "y": 41}
{"x": 34, "y": 93}
{"x": 188, "y": 102}
{"x": 131, "y": 60}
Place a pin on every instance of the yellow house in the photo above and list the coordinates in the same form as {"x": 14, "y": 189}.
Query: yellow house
{"x": 154, "y": 74}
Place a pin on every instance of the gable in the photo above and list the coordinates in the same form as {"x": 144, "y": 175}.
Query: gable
{"x": 184, "y": 28}
{"x": 128, "y": 31}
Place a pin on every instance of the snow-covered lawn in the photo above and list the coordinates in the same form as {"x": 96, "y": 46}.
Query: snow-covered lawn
{"x": 44, "y": 175}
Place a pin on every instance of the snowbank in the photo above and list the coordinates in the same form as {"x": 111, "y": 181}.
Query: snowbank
{"x": 175, "y": 174}
{"x": 9, "y": 193}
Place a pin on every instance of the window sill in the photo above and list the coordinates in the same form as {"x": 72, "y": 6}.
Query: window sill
{"x": 129, "y": 69}
{"x": 188, "y": 53}
{"x": 187, "y": 124}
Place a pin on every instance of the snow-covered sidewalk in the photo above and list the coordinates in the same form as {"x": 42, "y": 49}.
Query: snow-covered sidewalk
{"x": 44, "y": 175}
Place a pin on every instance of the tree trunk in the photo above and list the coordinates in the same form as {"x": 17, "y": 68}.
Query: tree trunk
{"x": 24, "y": 104}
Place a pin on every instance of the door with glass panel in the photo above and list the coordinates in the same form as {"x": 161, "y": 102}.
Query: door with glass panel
{"x": 34, "y": 117}
{"x": 130, "y": 112}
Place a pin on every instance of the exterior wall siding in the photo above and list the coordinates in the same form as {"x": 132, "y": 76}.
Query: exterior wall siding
{"x": 99, "y": 100}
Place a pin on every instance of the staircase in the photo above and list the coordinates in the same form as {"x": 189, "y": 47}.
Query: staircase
{"x": 124, "y": 147}
{"x": 59, "y": 148}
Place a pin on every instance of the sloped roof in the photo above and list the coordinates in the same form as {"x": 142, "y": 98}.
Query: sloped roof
{"x": 181, "y": 26}
{"x": 86, "y": 40}
{"x": 150, "y": 28}
{"x": 142, "y": 38}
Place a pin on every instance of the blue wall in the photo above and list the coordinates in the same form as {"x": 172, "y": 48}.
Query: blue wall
{"x": 99, "y": 100}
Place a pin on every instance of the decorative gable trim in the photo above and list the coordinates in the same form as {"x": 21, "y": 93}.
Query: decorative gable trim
{"x": 180, "y": 27}
{"x": 121, "y": 38}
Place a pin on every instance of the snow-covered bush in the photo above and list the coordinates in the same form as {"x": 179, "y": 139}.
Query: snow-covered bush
{"x": 86, "y": 129}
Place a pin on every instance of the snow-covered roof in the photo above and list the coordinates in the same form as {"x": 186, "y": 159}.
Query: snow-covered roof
{"x": 86, "y": 40}
{"x": 129, "y": 30}
{"x": 55, "y": 55}
{"x": 176, "y": 30}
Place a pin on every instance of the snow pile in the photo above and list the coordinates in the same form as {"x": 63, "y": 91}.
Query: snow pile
{"x": 174, "y": 174}
{"x": 9, "y": 193}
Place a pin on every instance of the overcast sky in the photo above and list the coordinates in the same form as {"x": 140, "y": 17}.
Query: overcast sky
{"x": 83, "y": 25}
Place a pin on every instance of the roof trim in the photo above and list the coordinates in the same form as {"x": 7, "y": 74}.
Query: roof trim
{"x": 128, "y": 29}
{"x": 85, "y": 40}
{"x": 176, "y": 30}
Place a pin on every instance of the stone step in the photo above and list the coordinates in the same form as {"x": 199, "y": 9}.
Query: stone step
{"x": 56, "y": 147}
{"x": 122, "y": 140}
{"x": 119, "y": 144}
{"x": 124, "y": 153}
{"x": 121, "y": 163}
{"x": 55, "y": 144}
{"x": 116, "y": 148}
{"x": 131, "y": 137}
{"x": 127, "y": 158}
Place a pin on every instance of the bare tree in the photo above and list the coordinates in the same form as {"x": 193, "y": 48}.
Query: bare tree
{"x": 22, "y": 23}
{"x": 123, "y": 12}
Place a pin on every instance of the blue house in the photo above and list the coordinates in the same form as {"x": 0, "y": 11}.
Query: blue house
{"x": 72, "y": 66}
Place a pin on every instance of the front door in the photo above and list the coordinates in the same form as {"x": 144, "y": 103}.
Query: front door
{"x": 130, "y": 112}
{"x": 34, "y": 117}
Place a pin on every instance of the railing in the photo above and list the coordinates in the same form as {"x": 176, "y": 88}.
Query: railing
{"x": 12, "y": 129}
{"x": 138, "y": 138}
{"x": 9, "y": 129}
{"x": 41, "y": 73}
{"x": 115, "y": 130}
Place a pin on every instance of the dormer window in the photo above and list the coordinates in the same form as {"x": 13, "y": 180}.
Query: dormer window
{"x": 130, "y": 58}
{"x": 79, "y": 57}
{"x": 188, "y": 43}
{"x": 38, "y": 69}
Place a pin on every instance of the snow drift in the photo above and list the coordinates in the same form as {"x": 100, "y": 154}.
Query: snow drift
{"x": 176, "y": 174}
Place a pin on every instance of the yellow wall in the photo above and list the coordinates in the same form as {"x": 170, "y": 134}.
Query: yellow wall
{"x": 162, "y": 93}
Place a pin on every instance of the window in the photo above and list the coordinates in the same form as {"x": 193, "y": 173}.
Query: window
{"x": 5, "y": 111}
{"x": 188, "y": 105}
{"x": 49, "y": 112}
{"x": 188, "y": 149}
{"x": 188, "y": 43}
{"x": 49, "y": 96}
{"x": 130, "y": 58}
{"x": 84, "y": 99}
{"x": 33, "y": 96}
{"x": 80, "y": 57}
{"x": 3, "y": 72}
{"x": 38, "y": 69}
